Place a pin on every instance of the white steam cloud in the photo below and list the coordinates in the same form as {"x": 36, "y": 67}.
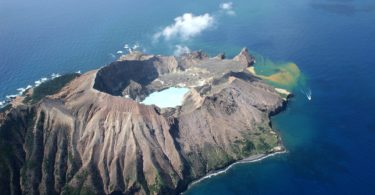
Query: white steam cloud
{"x": 186, "y": 27}
{"x": 227, "y": 8}
{"x": 181, "y": 49}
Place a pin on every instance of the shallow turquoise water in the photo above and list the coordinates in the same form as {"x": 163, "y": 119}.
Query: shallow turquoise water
{"x": 330, "y": 139}
{"x": 170, "y": 97}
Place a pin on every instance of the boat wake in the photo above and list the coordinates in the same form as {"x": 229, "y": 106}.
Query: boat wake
{"x": 307, "y": 93}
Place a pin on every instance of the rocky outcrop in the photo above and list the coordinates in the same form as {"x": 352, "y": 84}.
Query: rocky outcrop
{"x": 220, "y": 56}
{"x": 244, "y": 58}
{"x": 93, "y": 136}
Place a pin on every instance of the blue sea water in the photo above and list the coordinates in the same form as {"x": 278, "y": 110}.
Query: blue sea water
{"x": 330, "y": 139}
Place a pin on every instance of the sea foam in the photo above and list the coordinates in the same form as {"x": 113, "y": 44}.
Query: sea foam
{"x": 21, "y": 90}
{"x": 130, "y": 48}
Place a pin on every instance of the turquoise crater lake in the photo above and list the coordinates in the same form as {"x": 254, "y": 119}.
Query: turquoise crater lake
{"x": 170, "y": 97}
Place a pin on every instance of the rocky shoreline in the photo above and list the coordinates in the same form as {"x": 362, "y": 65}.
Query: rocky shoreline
{"x": 251, "y": 159}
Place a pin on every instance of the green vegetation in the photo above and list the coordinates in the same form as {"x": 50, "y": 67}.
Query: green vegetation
{"x": 157, "y": 186}
{"x": 70, "y": 156}
{"x": 81, "y": 189}
{"x": 216, "y": 158}
{"x": 68, "y": 190}
{"x": 49, "y": 88}
{"x": 260, "y": 140}
{"x": 263, "y": 145}
{"x": 265, "y": 142}
{"x": 246, "y": 147}
{"x": 82, "y": 177}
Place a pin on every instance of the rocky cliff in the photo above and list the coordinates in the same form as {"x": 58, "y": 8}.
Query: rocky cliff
{"x": 93, "y": 136}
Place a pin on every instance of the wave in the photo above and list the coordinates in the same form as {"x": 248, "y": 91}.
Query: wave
{"x": 251, "y": 159}
{"x": 113, "y": 56}
{"x": 55, "y": 75}
{"x": 136, "y": 46}
{"x": 22, "y": 90}
{"x": 11, "y": 96}
{"x": 44, "y": 79}
{"x": 130, "y": 48}
{"x": 40, "y": 81}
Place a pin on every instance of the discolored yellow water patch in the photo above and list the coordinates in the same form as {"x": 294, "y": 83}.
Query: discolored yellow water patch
{"x": 280, "y": 75}
{"x": 286, "y": 75}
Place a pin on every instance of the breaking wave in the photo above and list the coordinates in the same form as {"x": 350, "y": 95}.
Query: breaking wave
{"x": 22, "y": 90}
{"x": 130, "y": 48}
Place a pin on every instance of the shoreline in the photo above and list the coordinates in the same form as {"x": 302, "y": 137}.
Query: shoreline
{"x": 250, "y": 159}
{"x": 8, "y": 99}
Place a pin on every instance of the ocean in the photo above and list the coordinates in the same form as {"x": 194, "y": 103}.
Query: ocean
{"x": 330, "y": 139}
